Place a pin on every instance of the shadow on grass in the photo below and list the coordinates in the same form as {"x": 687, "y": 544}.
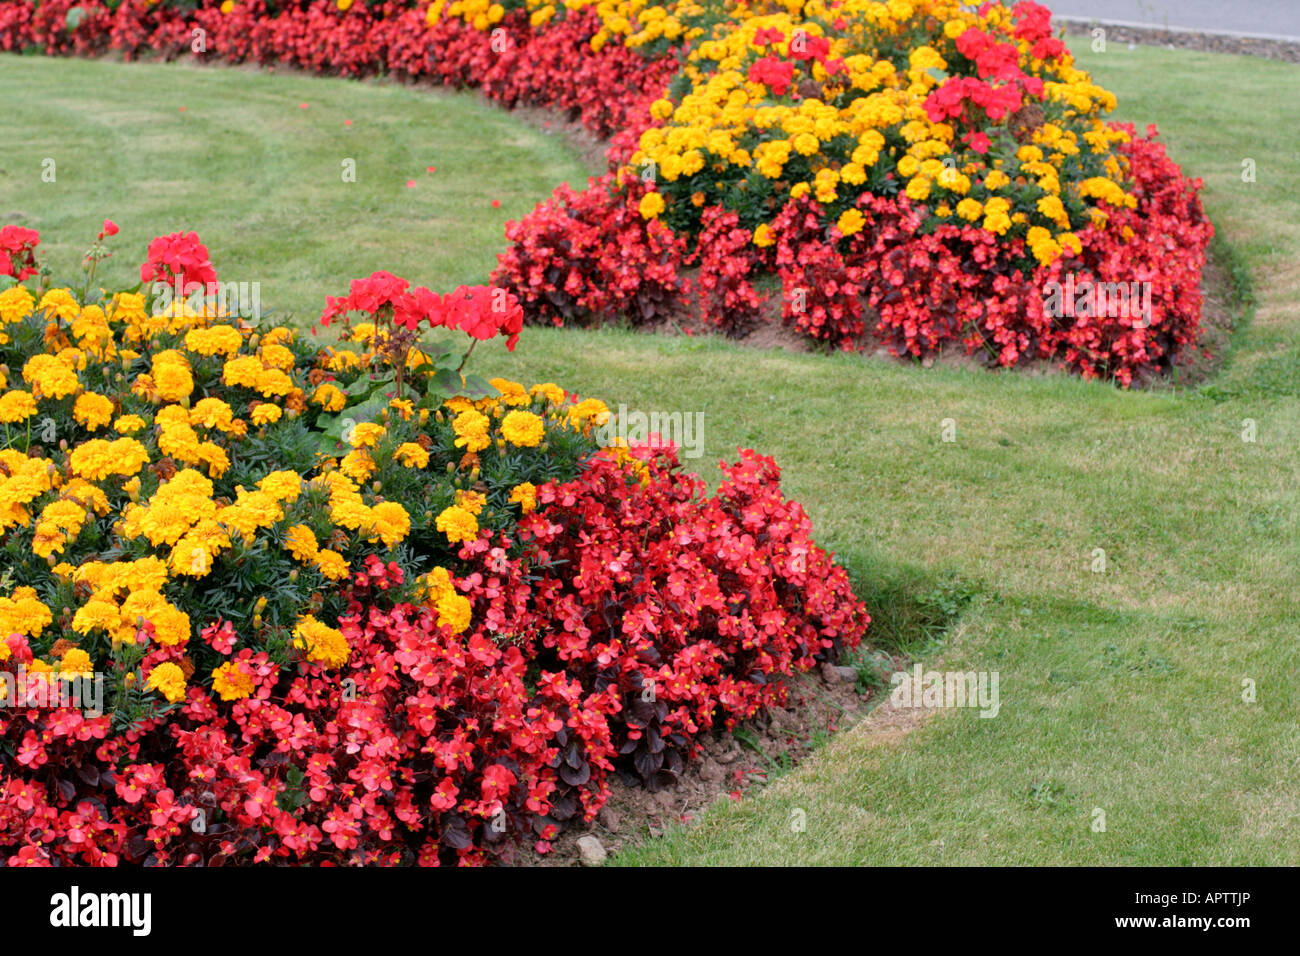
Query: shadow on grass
{"x": 912, "y": 612}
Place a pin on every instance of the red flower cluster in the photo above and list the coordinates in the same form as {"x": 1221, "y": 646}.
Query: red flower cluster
{"x": 633, "y": 614}
{"x": 18, "y": 252}
{"x": 727, "y": 261}
{"x": 179, "y": 256}
{"x": 584, "y": 256}
{"x": 774, "y": 73}
{"x": 479, "y": 311}
{"x": 964, "y": 284}
{"x": 691, "y": 606}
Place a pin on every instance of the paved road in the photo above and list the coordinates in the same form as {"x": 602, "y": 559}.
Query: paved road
{"x": 1270, "y": 17}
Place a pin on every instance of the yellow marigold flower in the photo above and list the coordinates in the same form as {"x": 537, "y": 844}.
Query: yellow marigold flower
{"x": 171, "y": 376}
{"x": 523, "y": 429}
{"x": 180, "y": 441}
{"x": 16, "y": 303}
{"x": 266, "y": 413}
{"x": 763, "y": 236}
{"x": 454, "y": 611}
{"x": 524, "y": 495}
{"x": 970, "y": 209}
{"x": 458, "y": 404}
{"x": 341, "y": 360}
{"x": 512, "y": 393}
{"x": 366, "y": 435}
{"x": 301, "y": 543}
{"x": 75, "y": 663}
{"x": 171, "y": 625}
{"x": 358, "y": 465}
{"x": 52, "y": 377}
{"x": 169, "y": 680}
{"x": 215, "y": 457}
{"x": 22, "y": 613}
{"x": 331, "y": 564}
{"x": 60, "y": 522}
{"x": 390, "y": 522}
{"x": 282, "y": 485}
{"x": 806, "y": 144}
{"x": 457, "y": 524}
{"x": 93, "y": 410}
{"x": 128, "y": 424}
{"x": 273, "y": 383}
{"x": 60, "y": 303}
{"x": 996, "y": 180}
{"x": 553, "y": 394}
{"x": 96, "y": 459}
{"x": 323, "y": 644}
{"x": 212, "y": 413}
{"x": 471, "y": 501}
{"x": 1052, "y": 208}
{"x": 411, "y": 455}
{"x": 217, "y": 340}
{"x": 853, "y": 174}
{"x": 243, "y": 371}
{"x": 589, "y": 409}
{"x": 652, "y": 204}
{"x": 850, "y": 222}
{"x": 16, "y": 407}
{"x": 232, "y": 682}
{"x": 277, "y": 356}
{"x": 330, "y": 397}
{"x": 471, "y": 427}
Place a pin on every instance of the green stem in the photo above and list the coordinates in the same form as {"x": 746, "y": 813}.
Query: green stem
{"x": 468, "y": 353}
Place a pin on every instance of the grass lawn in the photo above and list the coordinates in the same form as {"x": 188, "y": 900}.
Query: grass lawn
{"x": 1120, "y": 691}
{"x": 231, "y": 154}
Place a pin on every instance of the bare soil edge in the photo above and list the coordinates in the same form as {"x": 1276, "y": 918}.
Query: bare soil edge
{"x": 729, "y": 767}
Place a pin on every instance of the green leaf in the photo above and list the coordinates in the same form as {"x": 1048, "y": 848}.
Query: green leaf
{"x": 364, "y": 385}
{"x": 478, "y": 387}
{"x": 443, "y": 353}
{"x": 73, "y": 18}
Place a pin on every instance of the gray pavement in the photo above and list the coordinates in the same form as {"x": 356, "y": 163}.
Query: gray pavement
{"x": 1277, "y": 18}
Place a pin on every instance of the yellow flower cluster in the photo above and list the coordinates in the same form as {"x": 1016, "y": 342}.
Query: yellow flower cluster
{"x": 321, "y": 643}
{"x": 454, "y": 609}
{"x": 750, "y": 144}
{"x": 125, "y": 476}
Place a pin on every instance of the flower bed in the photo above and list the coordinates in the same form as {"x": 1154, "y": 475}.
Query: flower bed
{"x": 912, "y": 171}
{"x": 268, "y": 598}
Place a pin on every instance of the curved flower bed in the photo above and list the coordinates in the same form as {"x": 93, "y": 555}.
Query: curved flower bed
{"x": 911, "y": 171}
{"x": 267, "y": 598}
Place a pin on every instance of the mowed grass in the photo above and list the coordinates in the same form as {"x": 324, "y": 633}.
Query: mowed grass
{"x": 1121, "y": 691}
{"x": 231, "y": 154}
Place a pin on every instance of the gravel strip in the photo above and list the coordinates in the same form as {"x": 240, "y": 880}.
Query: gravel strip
{"x": 1272, "y": 49}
